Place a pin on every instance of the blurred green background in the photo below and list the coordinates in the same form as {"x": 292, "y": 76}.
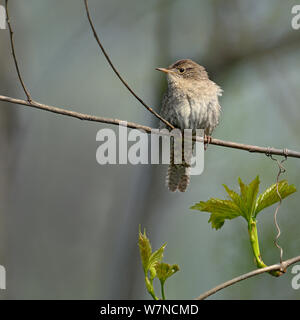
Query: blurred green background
{"x": 68, "y": 226}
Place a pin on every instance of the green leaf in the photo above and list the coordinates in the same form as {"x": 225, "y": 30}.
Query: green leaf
{"x": 245, "y": 204}
{"x": 145, "y": 250}
{"x": 216, "y": 205}
{"x": 234, "y": 196}
{"x": 219, "y": 209}
{"x": 149, "y": 259}
{"x": 156, "y": 257}
{"x": 218, "y": 219}
{"x": 152, "y": 273}
{"x": 252, "y": 192}
{"x": 248, "y": 197}
{"x": 165, "y": 270}
{"x": 270, "y": 196}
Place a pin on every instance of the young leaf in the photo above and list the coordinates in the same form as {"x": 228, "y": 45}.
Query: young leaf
{"x": 165, "y": 270}
{"x": 234, "y": 196}
{"x": 270, "y": 196}
{"x": 152, "y": 264}
{"x": 145, "y": 250}
{"x": 252, "y": 192}
{"x": 156, "y": 257}
{"x": 219, "y": 209}
{"x": 248, "y": 196}
{"x": 247, "y": 205}
{"x": 218, "y": 219}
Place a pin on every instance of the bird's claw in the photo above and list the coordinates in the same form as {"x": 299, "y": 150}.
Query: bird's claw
{"x": 207, "y": 141}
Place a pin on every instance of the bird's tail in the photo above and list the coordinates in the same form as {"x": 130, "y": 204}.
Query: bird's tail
{"x": 178, "y": 176}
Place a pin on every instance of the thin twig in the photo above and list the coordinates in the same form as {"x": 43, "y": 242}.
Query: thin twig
{"x": 31, "y": 103}
{"x": 87, "y": 117}
{"x": 74, "y": 114}
{"x": 29, "y": 99}
{"x": 284, "y": 265}
{"x": 281, "y": 170}
{"x": 118, "y": 74}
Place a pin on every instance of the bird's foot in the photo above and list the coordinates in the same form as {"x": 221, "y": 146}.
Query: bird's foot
{"x": 207, "y": 140}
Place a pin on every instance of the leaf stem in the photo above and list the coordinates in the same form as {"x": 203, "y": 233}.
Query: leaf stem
{"x": 254, "y": 243}
{"x": 162, "y": 286}
{"x": 252, "y": 229}
{"x": 150, "y": 289}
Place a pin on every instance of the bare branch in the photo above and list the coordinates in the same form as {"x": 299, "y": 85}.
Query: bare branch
{"x": 31, "y": 103}
{"x": 14, "y": 53}
{"x": 74, "y": 114}
{"x": 281, "y": 267}
{"x": 118, "y": 74}
{"x": 87, "y": 117}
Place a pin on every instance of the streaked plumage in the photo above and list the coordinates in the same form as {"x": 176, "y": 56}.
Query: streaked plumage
{"x": 190, "y": 102}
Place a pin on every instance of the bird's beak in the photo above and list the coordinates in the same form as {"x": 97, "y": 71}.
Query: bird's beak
{"x": 163, "y": 70}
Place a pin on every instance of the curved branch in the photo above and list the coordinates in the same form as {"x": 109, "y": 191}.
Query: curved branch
{"x": 34, "y": 104}
{"x": 14, "y": 53}
{"x": 118, "y": 74}
{"x": 281, "y": 267}
{"x": 87, "y": 117}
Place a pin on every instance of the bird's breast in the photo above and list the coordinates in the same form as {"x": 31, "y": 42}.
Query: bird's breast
{"x": 193, "y": 112}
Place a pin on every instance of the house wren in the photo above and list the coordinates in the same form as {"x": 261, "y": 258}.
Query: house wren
{"x": 190, "y": 102}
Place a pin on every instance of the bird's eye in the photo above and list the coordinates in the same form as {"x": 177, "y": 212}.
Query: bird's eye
{"x": 181, "y": 70}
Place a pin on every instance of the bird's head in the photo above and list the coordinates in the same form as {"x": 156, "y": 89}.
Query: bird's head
{"x": 183, "y": 70}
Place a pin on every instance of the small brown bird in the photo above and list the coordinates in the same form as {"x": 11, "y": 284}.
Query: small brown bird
{"x": 190, "y": 102}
